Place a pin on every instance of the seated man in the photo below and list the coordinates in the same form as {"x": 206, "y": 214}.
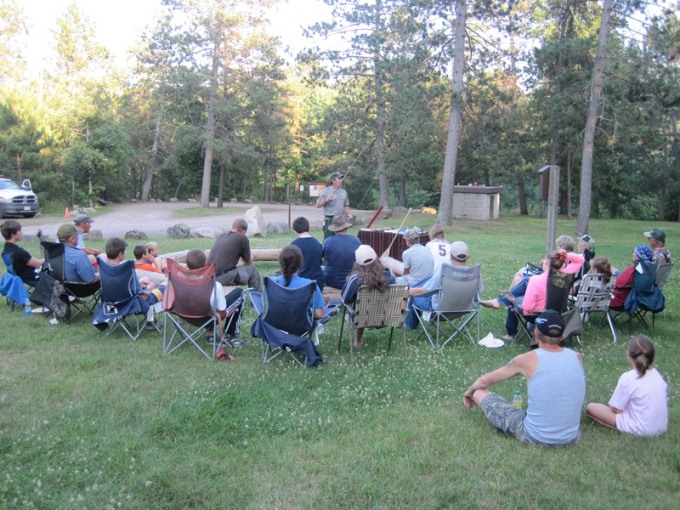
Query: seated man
{"x": 154, "y": 257}
{"x": 657, "y": 242}
{"x": 338, "y": 253}
{"x": 226, "y": 253}
{"x": 459, "y": 256}
{"x": 25, "y": 266}
{"x": 418, "y": 260}
{"x": 556, "y": 387}
{"x": 84, "y": 224}
{"x": 196, "y": 259}
{"x": 77, "y": 266}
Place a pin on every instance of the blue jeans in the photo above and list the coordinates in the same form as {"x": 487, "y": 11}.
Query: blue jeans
{"x": 518, "y": 291}
{"x": 424, "y": 303}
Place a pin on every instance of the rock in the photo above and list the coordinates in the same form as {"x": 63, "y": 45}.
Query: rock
{"x": 192, "y": 200}
{"x": 358, "y": 222}
{"x": 233, "y": 200}
{"x": 277, "y": 227}
{"x": 94, "y": 234}
{"x": 152, "y": 200}
{"x": 399, "y": 210}
{"x": 133, "y": 201}
{"x": 386, "y": 213}
{"x": 315, "y": 225}
{"x": 87, "y": 210}
{"x": 247, "y": 201}
{"x": 206, "y": 232}
{"x": 179, "y": 231}
{"x": 256, "y": 224}
{"x": 173, "y": 199}
{"x": 135, "y": 234}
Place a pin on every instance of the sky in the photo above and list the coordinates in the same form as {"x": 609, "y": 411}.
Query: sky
{"x": 119, "y": 23}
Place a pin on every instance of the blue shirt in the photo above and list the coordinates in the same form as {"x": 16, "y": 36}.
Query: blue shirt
{"x": 77, "y": 267}
{"x": 338, "y": 253}
{"x": 311, "y": 259}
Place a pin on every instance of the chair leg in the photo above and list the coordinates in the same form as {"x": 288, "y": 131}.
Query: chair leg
{"x": 611, "y": 325}
{"x": 403, "y": 341}
{"x": 342, "y": 327}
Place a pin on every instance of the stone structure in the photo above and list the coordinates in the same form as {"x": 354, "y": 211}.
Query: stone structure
{"x": 476, "y": 202}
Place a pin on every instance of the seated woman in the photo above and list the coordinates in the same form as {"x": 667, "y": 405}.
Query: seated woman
{"x": 601, "y": 266}
{"x": 624, "y": 281}
{"x": 639, "y": 404}
{"x": 369, "y": 271}
{"x": 290, "y": 260}
{"x": 535, "y": 297}
{"x": 25, "y": 266}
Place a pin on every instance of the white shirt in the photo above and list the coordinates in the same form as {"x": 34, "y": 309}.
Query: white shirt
{"x": 441, "y": 252}
{"x": 643, "y": 401}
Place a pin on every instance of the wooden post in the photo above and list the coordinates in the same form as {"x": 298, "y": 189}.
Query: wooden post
{"x": 553, "y": 206}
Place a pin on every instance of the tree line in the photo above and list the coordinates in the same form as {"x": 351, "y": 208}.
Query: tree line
{"x": 410, "y": 96}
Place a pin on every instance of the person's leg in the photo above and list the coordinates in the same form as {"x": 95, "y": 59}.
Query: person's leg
{"x": 360, "y": 334}
{"x": 228, "y": 278}
{"x": 424, "y": 303}
{"x": 253, "y": 277}
{"x": 602, "y": 414}
{"x": 327, "y": 223}
{"x": 511, "y": 323}
{"x": 231, "y": 323}
{"x": 502, "y": 414}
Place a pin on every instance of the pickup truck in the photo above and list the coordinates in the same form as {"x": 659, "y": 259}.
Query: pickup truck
{"x": 17, "y": 200}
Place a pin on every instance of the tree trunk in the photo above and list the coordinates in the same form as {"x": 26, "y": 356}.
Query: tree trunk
{"x": 522, "y": 196}
{"x": 210, "y": 131}
{"x": 591, "y": 123}
{"x": 403, "y": 201}
{"x": 380, "y": 111}
{"x": 449, "y": 177}
{"x": 151, "y": 168}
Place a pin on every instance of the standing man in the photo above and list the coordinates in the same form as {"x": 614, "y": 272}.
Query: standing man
{"x": 334, "y": 201}
{"x": 556, "y": 387}
{"x": 226, "y": 253}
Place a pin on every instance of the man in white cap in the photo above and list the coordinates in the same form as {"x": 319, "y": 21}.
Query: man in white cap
{"x": 556, "y": 387}
{"x": 460, "y": 254}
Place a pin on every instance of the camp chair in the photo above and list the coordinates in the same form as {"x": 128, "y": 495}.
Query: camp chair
{"x": 663, "y": 272}
{"x": 12, "y": 286}
{"x": 80, "y": 297}
{"x": 121, "y": 305}
{"x": 376, "y": 309}
{"x": 285, "y": 321}
{"x": 645, "y": 297}
{"x": 557, "y": 298}
{"x": 458, "y": 305}
{"x": 188, "y": 309}
{"x": 593, "y": 297}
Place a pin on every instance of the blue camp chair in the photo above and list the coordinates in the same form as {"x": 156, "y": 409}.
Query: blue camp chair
{"x": 12, "y": 286}
{"x": 122, "y": 304}
{"x": 285, "y": 322}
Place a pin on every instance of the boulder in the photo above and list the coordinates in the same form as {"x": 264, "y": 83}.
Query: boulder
{"x": 206, "y": 232}
{"x": 277, "y": 227}
{"x": 94, "y": 234}
{"x": 256, "y": 225}
{"x": 233, "y": 200}
{"x": 399, "y": 210}
{"x": 192, "y": 200}
{"x": 386, "y": 213}
{"x": 247, "y": 201}
{"x": 135, "y": 234}
{"x": 173, "y": 199}
{"x": 179, "y": 231}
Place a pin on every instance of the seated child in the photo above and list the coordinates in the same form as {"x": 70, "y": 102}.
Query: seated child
{"x": 639, "y": 403}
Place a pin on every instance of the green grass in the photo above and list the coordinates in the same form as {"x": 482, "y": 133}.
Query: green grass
{"x": 89, "y": 421}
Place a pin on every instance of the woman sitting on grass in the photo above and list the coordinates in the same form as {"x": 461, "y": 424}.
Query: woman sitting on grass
{"x": 290, "y": 260}
{"x": 369, "y": 271}
{"x": 639, "y": 404}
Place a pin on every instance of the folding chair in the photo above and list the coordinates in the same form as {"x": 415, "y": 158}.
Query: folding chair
{"x": 375, "y": 309}
{"x": 121, "y": 305}
{"x": 285, "y": 322}
{"x": 12, "y": 286}
{"x": 663, "y": 272}
{"x": 645, "y": 297}
{"x": 594, "y": 297}
{"x": 80, "y": 297}
{"x": 458, "y": 305}
{"x": 188, "y": 308}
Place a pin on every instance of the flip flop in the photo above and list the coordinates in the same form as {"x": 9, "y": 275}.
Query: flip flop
{"x": 223, "y": 354}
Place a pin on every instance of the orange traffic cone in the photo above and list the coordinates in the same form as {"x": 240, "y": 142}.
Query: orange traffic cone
{"x": 66, "y": 214}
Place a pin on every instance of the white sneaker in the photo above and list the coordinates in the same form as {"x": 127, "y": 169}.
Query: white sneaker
{"x": 508, "y": 338}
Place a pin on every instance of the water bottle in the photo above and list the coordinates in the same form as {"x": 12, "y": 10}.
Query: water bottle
{"x": 517, "y": 399}
{"x": 27, "y": 308}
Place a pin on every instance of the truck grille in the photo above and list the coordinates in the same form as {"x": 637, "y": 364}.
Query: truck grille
{"x": 24, "y": 199}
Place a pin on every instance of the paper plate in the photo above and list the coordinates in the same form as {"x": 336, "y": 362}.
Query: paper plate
{"x": 491, "y": 343}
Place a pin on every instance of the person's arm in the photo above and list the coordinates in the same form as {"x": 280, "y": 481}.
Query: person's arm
{"x": 325, "y": 197}
{"x": 575, "y": 262}
{"x": 36, "y": 263}
{"x": 516, "y": 366}
{"x": 536, "y": 285}
{"x": 247, "y": 254}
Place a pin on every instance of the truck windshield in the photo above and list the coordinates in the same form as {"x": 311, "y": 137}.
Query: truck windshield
{"x": 7, "y": 184}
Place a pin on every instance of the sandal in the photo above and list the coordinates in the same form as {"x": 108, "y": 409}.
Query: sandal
{"x": 223, "y": 354}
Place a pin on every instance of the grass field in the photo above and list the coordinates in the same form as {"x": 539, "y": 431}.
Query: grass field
{"x": 90, "y": 421}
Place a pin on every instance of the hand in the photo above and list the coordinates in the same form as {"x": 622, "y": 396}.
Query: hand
{"x": 349, "y": 216}
{"x": 468, "y": 399}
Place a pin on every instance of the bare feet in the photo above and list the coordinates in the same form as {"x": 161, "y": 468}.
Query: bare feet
{"x": 491, "y": 303}
{"x": 357, "y": 345}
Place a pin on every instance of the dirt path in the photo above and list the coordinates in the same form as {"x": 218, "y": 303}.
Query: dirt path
{"x": 155, "y": 218}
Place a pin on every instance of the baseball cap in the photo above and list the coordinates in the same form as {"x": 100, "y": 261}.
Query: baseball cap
{"x": 66, "y": 230}
{"x": 460, "y": 251}
{"x": 365, "y": 255}
{"x": 550, "y": 323}
{"x": 412, "y": 234}
{"x": 336, "y": 175}
{"x": 644, "y": 253}
{"x": 588, "y": 241}
{"x": 658, "y": 234}
{"x": 82, "y": 218}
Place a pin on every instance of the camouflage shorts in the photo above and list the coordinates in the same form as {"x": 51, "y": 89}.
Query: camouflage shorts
{"x": 506, "y": 417}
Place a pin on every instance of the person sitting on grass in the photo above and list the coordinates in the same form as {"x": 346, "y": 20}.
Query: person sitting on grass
{"x": 368, "y": 271}
{"x": 639, "y": 405}
{"x": 197, "y": 259}
{"x": 556, "y": 387}
{"x": 25, "y": 265}
{"x": 290, "y": 260}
